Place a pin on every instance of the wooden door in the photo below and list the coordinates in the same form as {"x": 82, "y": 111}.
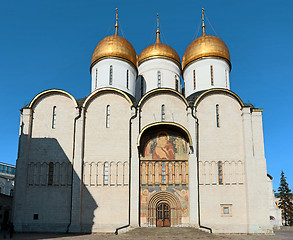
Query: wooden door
{"x": 163, "y": 215}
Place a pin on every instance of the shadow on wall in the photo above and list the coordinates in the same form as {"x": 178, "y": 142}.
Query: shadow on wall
{"x": 47, "y": 197}
{"x": 140, "y": 87}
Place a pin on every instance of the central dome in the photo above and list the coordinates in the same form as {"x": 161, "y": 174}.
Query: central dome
{"x": 159, "y": 50}
{"x": 114, "y": 46}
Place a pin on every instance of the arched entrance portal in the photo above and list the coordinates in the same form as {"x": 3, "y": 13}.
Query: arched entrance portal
{"x": 164, "y": 210}
{"x": 164, "y": 151}
{"x": 163, "y": 215}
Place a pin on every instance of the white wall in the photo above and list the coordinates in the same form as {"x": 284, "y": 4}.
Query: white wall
{"x": 223, "y": 143}
{"x": 101, "y": 70}
{"x": 100, "y": 209}
{"x": 175, "y": 109}
{"x": 46, "y": 144}
{"x": 203, "y": 75}
{"x": 149, "y": 70}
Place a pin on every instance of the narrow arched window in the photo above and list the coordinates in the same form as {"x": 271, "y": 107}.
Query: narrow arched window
{"x": 217, "y": 115}
{"x": 54, "y": 118}
{"x": 111, "y": 75}
{"x": 176, "y": 83}
{"x": 212, "y": 75}
{"x": 194, "y": 80}
{"x": 163, "y": 173}
{"x": 106, "y": 173}
{"x": 159, "y": 79}
{"x": 226, "y": 77}
{"x": 108, "y": 116}
{"x": 96, "y": 80}
{"x": 50, "y": 173}
{"x": 127, "y": 79}
{"x": 220, "y": 172}
{"x": 141, "y": 86}
{"x": 163, "y": 113}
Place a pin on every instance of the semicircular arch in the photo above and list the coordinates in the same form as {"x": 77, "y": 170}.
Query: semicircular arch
{"x": 218, "y": 90}
{"x": 51, "y": 91}
{"x": 104, "y": 90}
{"x": 162, "y": 90}
{"x": 171, "y": 125}
{"x": 171, "y": 200}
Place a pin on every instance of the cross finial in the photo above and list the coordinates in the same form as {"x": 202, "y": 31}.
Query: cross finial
{"x": 116, "y": 25}
{"x": 203, "y": 25}
{"x": 158, "y": 30}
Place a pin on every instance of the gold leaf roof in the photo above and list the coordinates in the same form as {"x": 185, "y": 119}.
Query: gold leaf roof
{"x": 159, "y": 50}
{"x": 205, "y": 46}
{"x": 114, "y": 46}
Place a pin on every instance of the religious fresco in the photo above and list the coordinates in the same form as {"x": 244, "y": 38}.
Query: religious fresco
{"x": 164, "y": 168}
{"x": 164, "y": 145}
{"x": 181, "y": 192}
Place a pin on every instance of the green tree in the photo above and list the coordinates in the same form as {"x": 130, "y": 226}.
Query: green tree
{"x": 286, "y": 200}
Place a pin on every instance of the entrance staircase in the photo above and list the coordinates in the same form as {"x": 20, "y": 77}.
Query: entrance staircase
{"x": 165, "y": 233}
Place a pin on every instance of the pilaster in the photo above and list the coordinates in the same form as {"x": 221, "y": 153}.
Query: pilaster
{"x": 134, "y": 175}
{"x": 192, "y": 168}
{"x": 257, "y": 207}
{"x": 21, "y": 166}
{"x": 77, "y": 175}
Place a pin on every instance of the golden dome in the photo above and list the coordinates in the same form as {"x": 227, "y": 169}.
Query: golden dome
{"x": 205, "y": 46}
{"x": 159, "y": 50}
{"x": 114, "y": 46}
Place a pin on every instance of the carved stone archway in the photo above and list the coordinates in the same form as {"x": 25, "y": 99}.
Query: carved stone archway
{"x": 171, "y": 200}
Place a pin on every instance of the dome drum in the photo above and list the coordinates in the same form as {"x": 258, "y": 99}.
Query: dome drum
{"x": 169, "y": 74}
{"x": 205, "y": 74}
{"x": 114, "y": 73}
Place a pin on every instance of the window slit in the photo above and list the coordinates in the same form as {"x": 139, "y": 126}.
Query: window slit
{"x": 212, "y": 75}
{"x": 220, "y": 172}
{"x": 111, "y": 75}
{"x": 159, "y": 79}
{"x": 51, "y": 173}
{"x": 217, "y": 115}
{"x": 127, "y": 79}
{"x": 108, "y": 116}
{"x": 163, "y": 113}
{"x": 54, "y": 118}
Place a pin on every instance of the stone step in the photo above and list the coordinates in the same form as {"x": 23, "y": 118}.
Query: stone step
{"x": 165, "y": 233}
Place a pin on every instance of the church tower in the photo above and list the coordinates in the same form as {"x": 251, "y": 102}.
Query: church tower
{"x": 206, "y": 64}
{"x": 114, "y": 63}
{"x": 159, "y": 66}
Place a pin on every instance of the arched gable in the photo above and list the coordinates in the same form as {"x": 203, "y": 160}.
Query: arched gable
{"x": 162, "y": 90}
{"x": 165, "y": 124}
{"x": 216, "y": 91}
{"x": 105, "y": 90}
{"x": 52, "y": 91}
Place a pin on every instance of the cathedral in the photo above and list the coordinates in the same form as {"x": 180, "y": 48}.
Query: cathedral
{"x": 159, "y": 142}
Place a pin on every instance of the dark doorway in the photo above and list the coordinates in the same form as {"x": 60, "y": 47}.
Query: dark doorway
{"x": 163, "y": 215}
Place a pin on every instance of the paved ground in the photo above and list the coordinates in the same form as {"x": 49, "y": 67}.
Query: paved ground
{"x": 155, "y": 234}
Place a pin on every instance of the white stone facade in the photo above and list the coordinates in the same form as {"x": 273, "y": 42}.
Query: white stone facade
{"x": 110, "y": 161}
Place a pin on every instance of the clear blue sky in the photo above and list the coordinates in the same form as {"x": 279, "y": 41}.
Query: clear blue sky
{"x": 48, "y": 44}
